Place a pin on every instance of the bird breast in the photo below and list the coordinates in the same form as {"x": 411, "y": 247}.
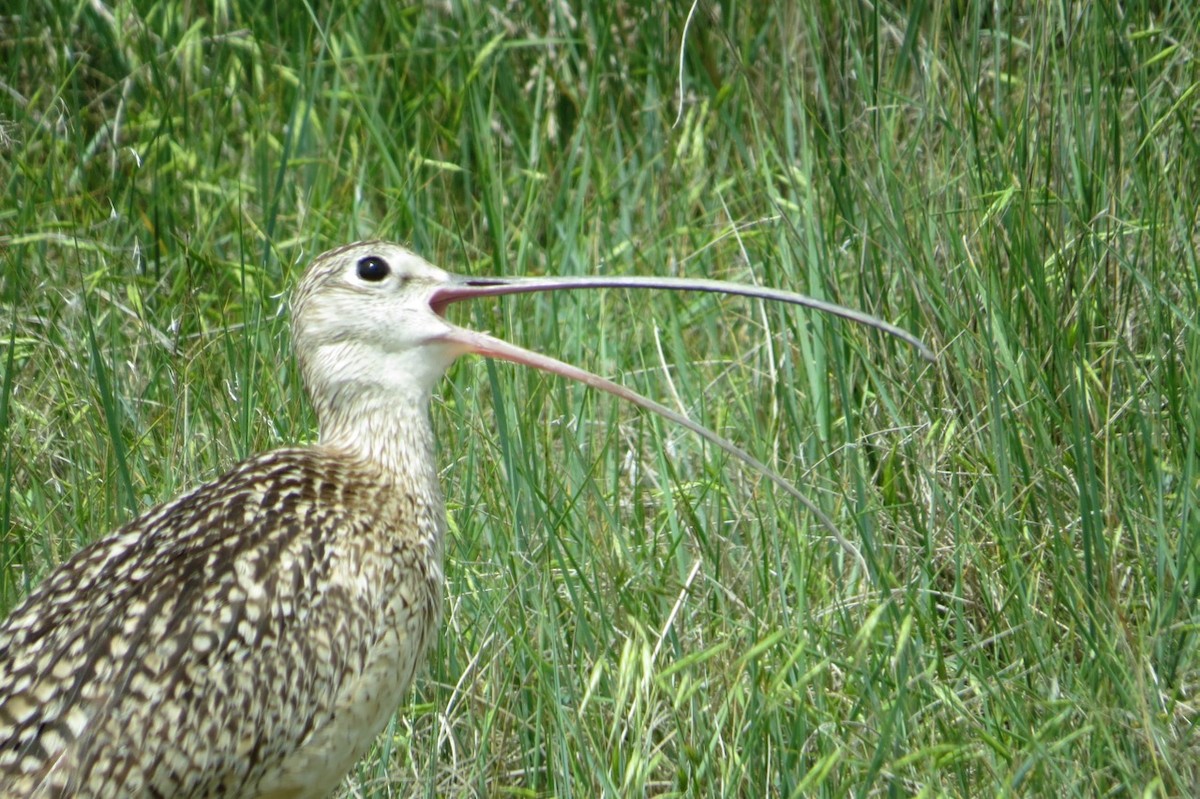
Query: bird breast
{"x": 248, "y": 639}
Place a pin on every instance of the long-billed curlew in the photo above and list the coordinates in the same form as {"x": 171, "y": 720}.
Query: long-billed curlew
{"x": 250, "y": 638}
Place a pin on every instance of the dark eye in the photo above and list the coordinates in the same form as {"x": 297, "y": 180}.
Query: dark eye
{"x": 373, "y": 268}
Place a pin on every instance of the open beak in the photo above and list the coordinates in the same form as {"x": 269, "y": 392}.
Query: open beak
{"x": 462, "y": 288}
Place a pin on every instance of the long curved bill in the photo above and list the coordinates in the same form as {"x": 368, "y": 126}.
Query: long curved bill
{"x": 463, "y": 288}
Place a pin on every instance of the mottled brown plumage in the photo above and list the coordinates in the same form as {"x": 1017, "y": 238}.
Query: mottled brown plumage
{"x": 217, "y": 649}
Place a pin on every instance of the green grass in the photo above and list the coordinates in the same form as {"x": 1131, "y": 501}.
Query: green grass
{"x": 629, "y": 612}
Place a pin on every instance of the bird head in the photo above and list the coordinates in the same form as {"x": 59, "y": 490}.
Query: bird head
{"x": 372, "y": 313}
{"x": 364, "y": 322}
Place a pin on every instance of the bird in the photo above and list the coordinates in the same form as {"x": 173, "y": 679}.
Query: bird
{"x": 251, "y": 638}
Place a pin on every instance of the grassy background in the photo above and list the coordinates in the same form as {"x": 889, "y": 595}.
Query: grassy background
{"x": 629, "y": 613}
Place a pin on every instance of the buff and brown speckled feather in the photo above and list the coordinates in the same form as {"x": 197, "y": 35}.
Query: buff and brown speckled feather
{"x": 250, "y": 638}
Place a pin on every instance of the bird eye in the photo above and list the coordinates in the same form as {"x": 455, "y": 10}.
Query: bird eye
{"x": 373, "y": 269}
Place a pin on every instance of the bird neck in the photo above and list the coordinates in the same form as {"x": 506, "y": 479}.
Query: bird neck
{"x": 391, "y": 432}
